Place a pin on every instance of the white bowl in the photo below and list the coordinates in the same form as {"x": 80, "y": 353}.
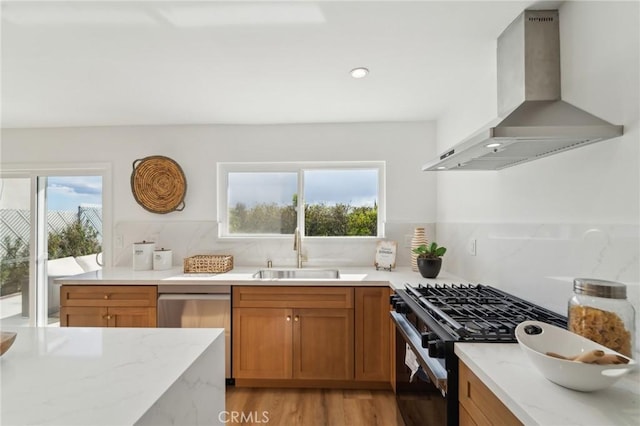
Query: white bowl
{"x": 570, "y": 374}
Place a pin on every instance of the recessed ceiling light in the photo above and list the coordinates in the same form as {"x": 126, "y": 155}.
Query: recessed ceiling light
{"x": 441, "y": 167}
{"x": 359, "y": 72}
{"x": 493, "y": 145}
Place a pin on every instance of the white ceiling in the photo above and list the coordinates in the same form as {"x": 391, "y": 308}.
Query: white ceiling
{"x": 154, "y": 63}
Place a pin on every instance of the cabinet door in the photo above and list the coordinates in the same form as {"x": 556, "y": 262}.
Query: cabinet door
{"x": 323, "y": 344}
{"x": 131, "y": 317}
{"x": 372, "y": 339}
{"x": 262, "y": 343}
{"x": 74, "y": 316}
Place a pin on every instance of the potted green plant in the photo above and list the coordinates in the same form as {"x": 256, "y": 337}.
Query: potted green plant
{"x": 429, "y": 259}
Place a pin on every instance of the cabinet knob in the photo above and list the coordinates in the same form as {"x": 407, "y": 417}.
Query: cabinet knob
{"x": 106, "y": 296}
{"x": 107, "y": 317}
{"x": 288, "y": 317}
{"x": 296, "y": 318}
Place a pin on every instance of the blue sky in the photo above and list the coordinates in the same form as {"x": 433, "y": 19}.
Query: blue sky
{"x": 355, "y": 187}
{"x": 68, "y": 192}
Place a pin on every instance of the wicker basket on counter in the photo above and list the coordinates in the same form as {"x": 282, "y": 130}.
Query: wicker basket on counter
{"x": 208, "y": 263}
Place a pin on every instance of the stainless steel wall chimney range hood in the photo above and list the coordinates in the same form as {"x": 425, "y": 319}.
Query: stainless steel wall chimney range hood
{"x": 534, "y": 122}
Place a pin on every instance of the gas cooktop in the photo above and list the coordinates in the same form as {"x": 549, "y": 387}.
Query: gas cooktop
{"x": 478, "y": 312}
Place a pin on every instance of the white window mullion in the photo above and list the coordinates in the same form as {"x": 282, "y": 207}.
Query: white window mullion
{"x": 41, "y": 254}
{"x": 222, "y": 200}
{"x": 33, "y": 217}
{"x": 382, "y": 191}
{"x": 300, "y": 207}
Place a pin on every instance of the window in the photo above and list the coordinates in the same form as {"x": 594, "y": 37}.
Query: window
{"x": 262, "y": 202}
{"x": 322, "y": 199}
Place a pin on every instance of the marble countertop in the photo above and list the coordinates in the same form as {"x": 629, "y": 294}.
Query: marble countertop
{"x": 243, "y": 275}
{"x": 110, "y": 376}
{"x": 504, "y": 368}
{"x": 507, "y": 371}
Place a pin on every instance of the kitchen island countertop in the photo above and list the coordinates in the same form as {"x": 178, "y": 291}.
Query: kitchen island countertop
{"x": 113, "y": 376}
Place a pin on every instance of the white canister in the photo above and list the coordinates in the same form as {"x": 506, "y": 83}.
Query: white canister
{"x": 143, "y": 256}
{"x": 162, "y": 259}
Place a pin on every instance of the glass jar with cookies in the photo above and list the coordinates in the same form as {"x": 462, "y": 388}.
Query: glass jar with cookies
{"x": 599, "y": 310}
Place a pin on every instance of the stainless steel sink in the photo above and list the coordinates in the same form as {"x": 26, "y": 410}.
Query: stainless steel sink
{"x": 292, "y": 274}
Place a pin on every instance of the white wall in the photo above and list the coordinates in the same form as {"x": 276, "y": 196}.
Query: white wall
{"x": 540, "y": 224}
{"x": 404, "y": 146}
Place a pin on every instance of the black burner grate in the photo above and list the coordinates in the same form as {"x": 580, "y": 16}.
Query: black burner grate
{"x": 479, "y": 312}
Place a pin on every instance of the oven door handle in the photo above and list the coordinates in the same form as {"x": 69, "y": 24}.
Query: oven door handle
{"x": 436, "y": 372}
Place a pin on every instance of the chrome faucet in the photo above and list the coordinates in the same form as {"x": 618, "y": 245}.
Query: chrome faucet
{"x": 297, "y": 246}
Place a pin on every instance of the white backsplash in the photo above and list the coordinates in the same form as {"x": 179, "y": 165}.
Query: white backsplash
{"x": 188, "y": 238}
{"x": 538, "y": 262}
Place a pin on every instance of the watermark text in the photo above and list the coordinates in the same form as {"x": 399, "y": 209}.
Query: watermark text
{"x": 244, "y": 417}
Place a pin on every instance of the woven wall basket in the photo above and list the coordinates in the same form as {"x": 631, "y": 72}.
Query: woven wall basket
{"x": 158, "y": 184}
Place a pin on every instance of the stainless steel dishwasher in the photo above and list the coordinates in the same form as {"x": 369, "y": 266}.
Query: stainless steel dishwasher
{"x": 197, "y": 306}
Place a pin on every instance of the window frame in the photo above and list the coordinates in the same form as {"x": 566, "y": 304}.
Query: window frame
{"x": 224, "y": 168}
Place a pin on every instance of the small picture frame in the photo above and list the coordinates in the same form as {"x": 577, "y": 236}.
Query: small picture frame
{"x": 386, "y": 255}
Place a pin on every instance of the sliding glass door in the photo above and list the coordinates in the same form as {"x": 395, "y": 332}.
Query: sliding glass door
{"x": 51, "y": 227}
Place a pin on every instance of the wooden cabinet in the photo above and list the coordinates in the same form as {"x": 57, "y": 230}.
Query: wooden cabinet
{"x": 108, "y": 306}
{"x": 372, "y": 334}
{"x": 323, "y": 344}
{"x": 478, "y": 405}
{"x": 300, "y": 333}
{"x": 311, "y": 336}
{"x": 262, "y": 343}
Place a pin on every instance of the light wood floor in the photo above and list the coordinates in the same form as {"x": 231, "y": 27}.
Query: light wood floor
{"x": 311, "y": 407}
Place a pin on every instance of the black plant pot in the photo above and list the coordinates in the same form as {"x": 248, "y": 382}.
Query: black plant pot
{"x": 429, "y": 268}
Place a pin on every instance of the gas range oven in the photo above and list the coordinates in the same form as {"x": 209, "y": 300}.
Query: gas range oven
{"x": 429, "y": 319}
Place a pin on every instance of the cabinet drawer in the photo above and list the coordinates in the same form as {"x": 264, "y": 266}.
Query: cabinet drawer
{"x": 99, "y": 295}
{"x": 292, "y": 297}
{"x": 481, "y": 405}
